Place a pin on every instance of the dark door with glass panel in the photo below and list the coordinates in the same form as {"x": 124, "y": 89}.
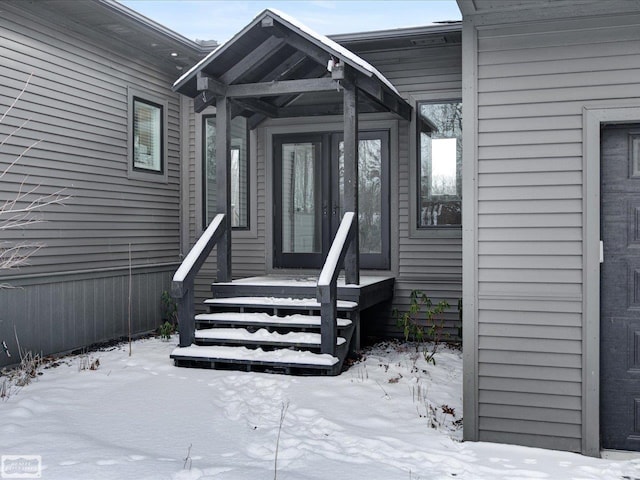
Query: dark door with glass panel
{"x": 301, "y": 226}
{"x": 309, "y": 198}
{"x": 620, "y": 289}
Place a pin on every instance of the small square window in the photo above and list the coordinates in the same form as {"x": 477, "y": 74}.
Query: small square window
{"x": 439, "y": 165}
{"x": 147, "y": 136}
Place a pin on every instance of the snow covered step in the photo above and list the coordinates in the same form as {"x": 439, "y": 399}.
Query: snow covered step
{"x": 260, "y": 319}
{"x": 261, "y": 337}
{"x": 282, "y": 359}
{"x": 277, "y": 303}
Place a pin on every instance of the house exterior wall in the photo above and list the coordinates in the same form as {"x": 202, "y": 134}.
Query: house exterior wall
{"x": 530, "y": 326}
{"x": 426, "y": 261}
{"x": 74, "y": 291}
{"x": 421, "y": 261}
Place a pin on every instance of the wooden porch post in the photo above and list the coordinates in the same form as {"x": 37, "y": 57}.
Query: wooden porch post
{"x": 352, "y": 258}
{"x": 223, "y": 185}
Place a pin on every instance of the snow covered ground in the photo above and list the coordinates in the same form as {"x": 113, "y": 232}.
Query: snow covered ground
{"x": 140, "y": 417}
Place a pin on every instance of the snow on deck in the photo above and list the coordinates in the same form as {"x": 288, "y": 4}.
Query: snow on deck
{"x": 263, "y": 336}
{"x": 303, "y": 281}
{"x": 309, "y": 303}
{"x": 261, "y": 317}
{"x": 242, "y": 353}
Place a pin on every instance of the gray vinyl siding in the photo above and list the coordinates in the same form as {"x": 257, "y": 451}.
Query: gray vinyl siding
{"x": 77, "y": 106}
{"x": 533, "y": 80}
{"x": 427, "y": 263}
{"x": 63, "y": 313}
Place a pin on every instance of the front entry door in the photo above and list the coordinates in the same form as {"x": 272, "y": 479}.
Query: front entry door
{"x": 620, "y": 289}
{"x": 309, "y": 192}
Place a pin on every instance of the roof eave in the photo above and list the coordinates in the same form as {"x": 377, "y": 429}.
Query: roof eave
{"x": 397, "y": 33}
{"x": 152, "y": 25}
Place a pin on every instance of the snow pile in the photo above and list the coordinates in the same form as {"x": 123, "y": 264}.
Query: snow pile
{"x": 391, "y": 416}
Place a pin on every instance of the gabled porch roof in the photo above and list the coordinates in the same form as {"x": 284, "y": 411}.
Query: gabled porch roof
{"x": 277, "y": 67}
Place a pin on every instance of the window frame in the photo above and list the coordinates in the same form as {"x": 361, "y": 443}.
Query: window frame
{"x": 415, "y": 231}
{"x": 137, "y": 173}
{"x": 203, "y": 165}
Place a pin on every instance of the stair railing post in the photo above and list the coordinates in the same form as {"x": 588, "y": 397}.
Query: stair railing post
{"x": 186, "y": 315}
{"x": 327, "y": 287}
{"x": 328, "y": 319}
{"x": 351, "y": 175}
{"x": 223, "y": 185}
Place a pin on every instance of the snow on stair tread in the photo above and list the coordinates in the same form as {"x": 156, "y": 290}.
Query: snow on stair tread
{"x": 261, "y": 317}
{"x": 263, "y": 336}
{"x": 278, "y": 302}
{"x": 298, "y": 357}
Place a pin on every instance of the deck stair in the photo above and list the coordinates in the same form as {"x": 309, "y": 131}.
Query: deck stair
{"x": 292, "y": 325}
{"x": 273, "y": 334}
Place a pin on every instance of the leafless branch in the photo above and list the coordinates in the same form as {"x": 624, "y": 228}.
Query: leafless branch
{"x": 18, "y": 158}
{"x": 14, "y": 132}
{"x": 17, "y": 255}
{"x": 26, "y": 205}
{"x": 26, "y": 84}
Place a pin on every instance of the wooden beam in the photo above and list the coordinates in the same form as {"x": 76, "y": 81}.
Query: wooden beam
{"x": 202, "y": 100}
{"x": 338, "y": 71}
{"x": 305, "y": 46}
{"x": 312, "y": 70}
{"x": 208, "y": 89}
{"x": 351, "y": 144}
{"x": 223, "y": 185}
{"x": 286, "y": 87}
{"x": 253, "y": 60}
{"x": 290, "y": 63}
{"x": 296, "y": 41}
{"x": 311, "y": 110}
{"x": 267, "y": 22}
{"x": 206, "y": 83}
{"x": 258, "y": 106}
{"x": 386, "y": 97}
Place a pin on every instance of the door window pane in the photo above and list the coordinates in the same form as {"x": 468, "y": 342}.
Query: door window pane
{"x": 369, "y": 193}
{"x": 238, "y": 172}
{"x": 440, "y": 164}
{"x": 147, "y": 136}
{"x": 301, "y": 205}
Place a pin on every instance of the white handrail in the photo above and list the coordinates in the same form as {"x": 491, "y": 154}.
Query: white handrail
{"x": 338, "y": 249}
{"x": 187, "y": 264}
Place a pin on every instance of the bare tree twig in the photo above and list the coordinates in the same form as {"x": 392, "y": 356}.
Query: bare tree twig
{"x": 26, "y": 205}
{"x": 283, "y": 413}
{"x": 26, "y": 84}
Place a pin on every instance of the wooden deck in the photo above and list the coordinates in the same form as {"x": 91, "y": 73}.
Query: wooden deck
{"x": 372, "y": 289}
{"x": 271, "y": 323}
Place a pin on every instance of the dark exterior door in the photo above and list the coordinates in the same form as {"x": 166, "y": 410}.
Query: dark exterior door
{"x": 620, "y": 289}
{"x": 301, "y": 220}
{"x": 309, "y": 191}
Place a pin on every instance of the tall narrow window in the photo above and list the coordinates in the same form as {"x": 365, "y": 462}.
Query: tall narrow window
{"x": 439, "y": 164}
{"x": 239, "y": 172}
{"x": 147, "y": 136}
